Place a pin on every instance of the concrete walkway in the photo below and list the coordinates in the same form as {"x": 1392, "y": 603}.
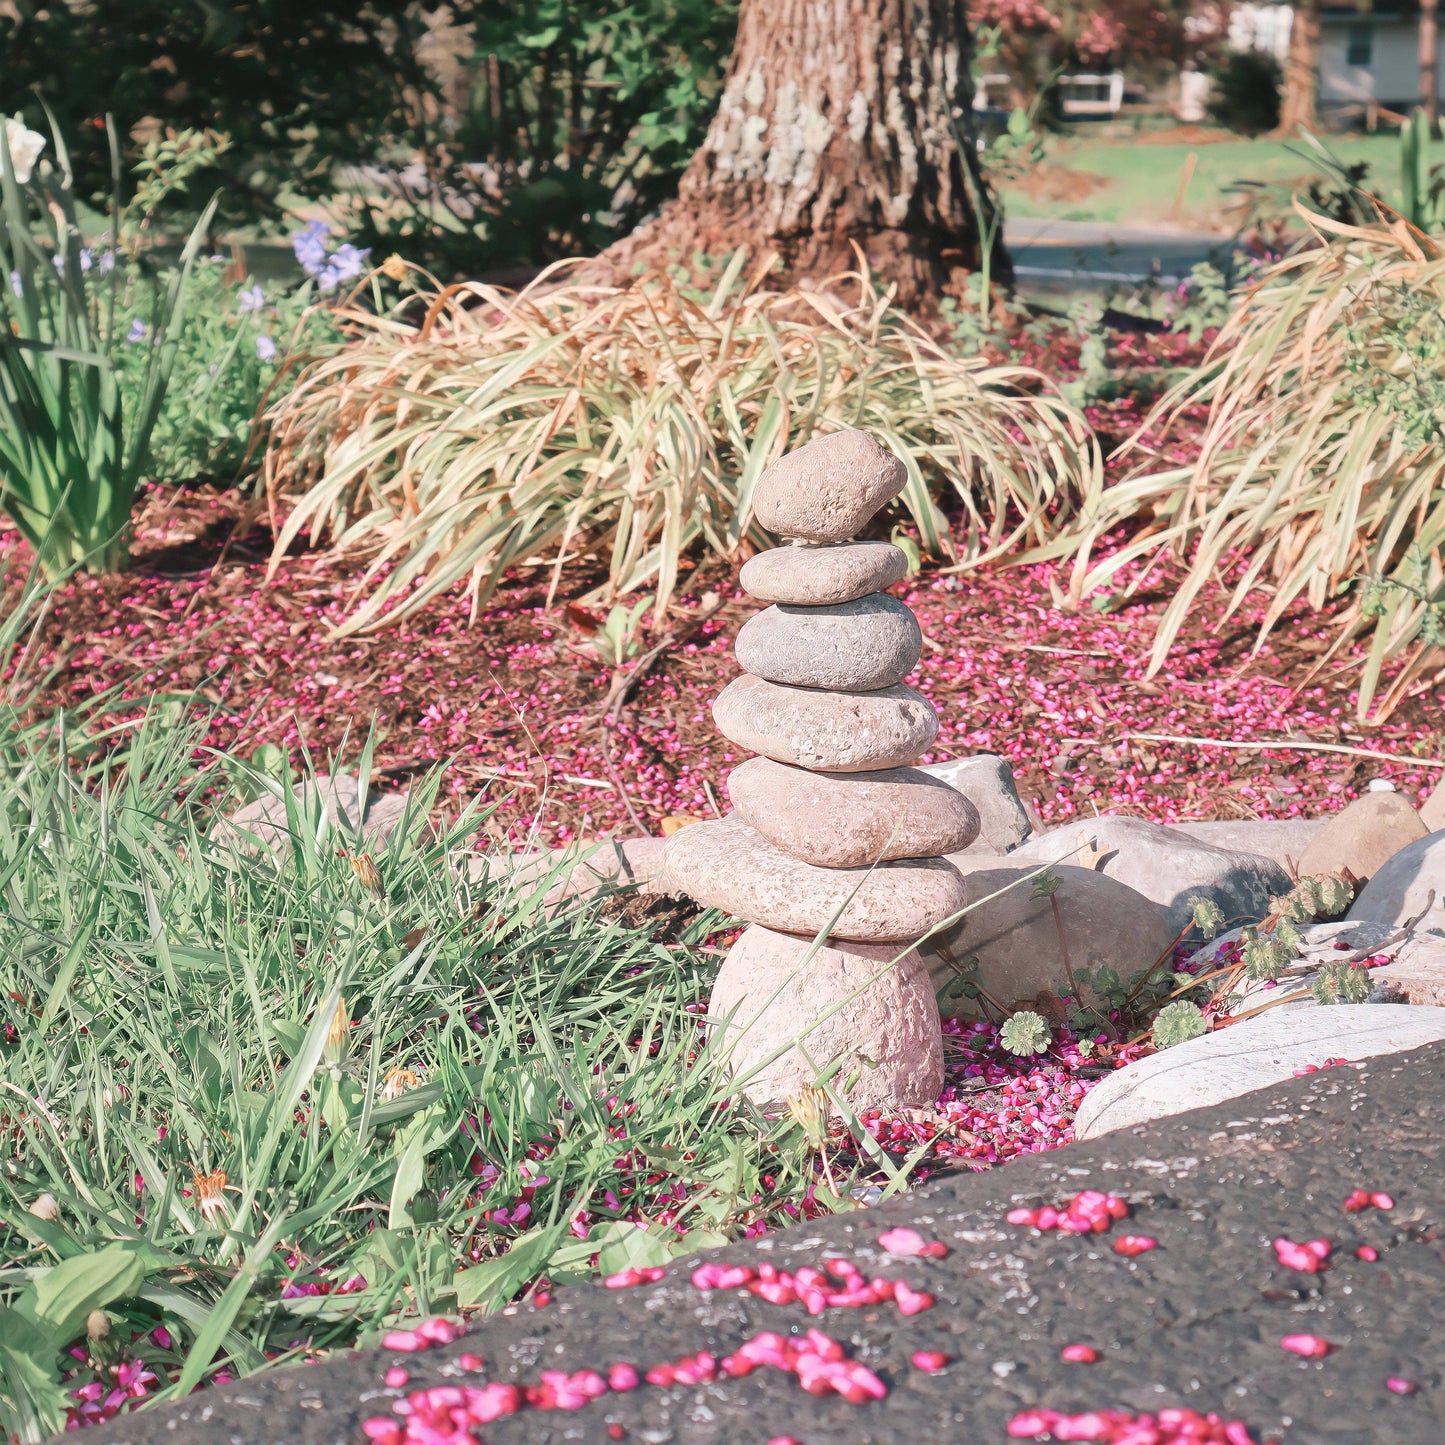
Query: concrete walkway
{"x": 1196, "y": 1322}
{"x": 1068, "y": 255}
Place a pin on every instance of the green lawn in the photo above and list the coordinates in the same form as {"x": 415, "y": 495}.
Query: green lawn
{"x": 1141, "y": 181}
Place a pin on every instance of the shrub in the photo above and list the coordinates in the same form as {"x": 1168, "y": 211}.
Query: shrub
{"x": 1246, "y": 91}
{"x": 633, "y": 424}
{"x": 73, "y": 438}
{"x": 1320, "y": 473}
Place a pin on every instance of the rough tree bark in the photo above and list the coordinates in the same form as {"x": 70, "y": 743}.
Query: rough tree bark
{"x": 840, "y": 122}
{"x": 1301, "y": 71}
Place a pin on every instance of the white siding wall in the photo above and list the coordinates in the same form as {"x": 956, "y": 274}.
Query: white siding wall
{"x": 1393, "y": 74}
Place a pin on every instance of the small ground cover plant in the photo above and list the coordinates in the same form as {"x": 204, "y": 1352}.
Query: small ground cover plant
{"x": 474, "y": 429}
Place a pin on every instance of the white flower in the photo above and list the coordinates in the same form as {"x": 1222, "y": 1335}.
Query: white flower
{"x": 25, "y": 146}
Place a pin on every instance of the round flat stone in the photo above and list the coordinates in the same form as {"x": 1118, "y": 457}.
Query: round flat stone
{"x": 852, "y": 820}
{"x": 828, "y": 732}
{"x": 823, "y": 576}
{"x": 731, "y": 866}
{"x": 827, "y": 490}
{"x": 863, "y": 1008}
{"x": 857, "y": 646}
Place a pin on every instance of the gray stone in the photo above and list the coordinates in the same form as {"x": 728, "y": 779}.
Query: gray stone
{"x": 577, "y": 871}
{"x": 1163, "y": 865}
{"x": 1410, "y": 886}
{"x": 987, "y": 781}
{"x": 859, "y": 646}
{"x": 1283, "y": 839}
{"x": 731, "y": 866}
{"x": 1362, "y": 837}
{"x": 806, "y": 576}
{"x": 1266, "y": 1049}
{"x": 1014, "y": 937}
{"x": 1432, "y": 810}
{"x": 828, "y": 489}
{"x": 336, "y": 796}
{"x": 829, "y": 732}
{"x": 851, "y": 820}
{"x": 867, "y": 1009}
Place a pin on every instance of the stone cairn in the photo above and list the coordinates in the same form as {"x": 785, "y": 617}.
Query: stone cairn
{"x": 829, "y": 798}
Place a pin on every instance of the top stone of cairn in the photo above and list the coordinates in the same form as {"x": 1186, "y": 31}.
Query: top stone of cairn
{"x": 827, "y": 490}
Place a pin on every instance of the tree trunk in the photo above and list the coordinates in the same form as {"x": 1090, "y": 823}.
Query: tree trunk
{"x": 841, "y": 123}
{"x": 1429, "y": 49}
{"x": 1301, "y": 71}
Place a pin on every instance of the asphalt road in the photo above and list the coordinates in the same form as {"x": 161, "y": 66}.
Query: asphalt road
{"x": 1067, "y": 255}
{"x": 1197, "y": 1322}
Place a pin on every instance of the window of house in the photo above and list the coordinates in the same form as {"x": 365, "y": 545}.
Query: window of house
{"x": 1360, "y": 46}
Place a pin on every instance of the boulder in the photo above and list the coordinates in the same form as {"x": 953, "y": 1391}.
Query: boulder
{"x": 336, "y": 795}
{"x": 987, "y": 781}
{"x": 1015, "y": 939}
{"x": 828, "y": 732}
{"x": 1432, "y": 810}
{"x": 1282, "y": 839}
{"x": 1267, "y": 1049}
{"x": 806, "y": 576}
{"x": 1169, "y": 867}
{"x": 868, "y": 1008}
{"x": 1408, "y": 887}
{"x": 729, "y": 865}
{"x": 828, "y": 489}
{"x": 1362, "y": 837}
{"x": 851, "y": 820}
{"x": 857, "y": 646}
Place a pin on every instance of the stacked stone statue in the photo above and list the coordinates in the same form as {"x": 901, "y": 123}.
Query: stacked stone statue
{"x": 830, "y": 828}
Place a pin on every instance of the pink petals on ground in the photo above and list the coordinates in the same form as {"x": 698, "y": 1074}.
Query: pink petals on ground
{"x": 839, "y": 1284}
{"x": 1088, "y": 1212}
{"x": 1398, "y": 1386}
{"x": 1079, "y": 1354}
{"x": 1361, "y": 1199}
{"x": 634, "y": 1275}
{"x": 1308, "y": 1257}
{"x": 395, "y": 1377}
{"x": 909, "y": 1242}
{"x": 1132, "y": 1245}
{"x": 1168, "y": 1427}
{"x": 1368, "y": 1253}
{"x": 1309, "y": 1347}
{"x": 929, "y": 1361}
{"x": 423, "y": 1337}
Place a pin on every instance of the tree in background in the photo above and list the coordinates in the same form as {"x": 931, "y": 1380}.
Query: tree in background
{"x": 1297, "y": 110}
{"x": 842, "y": 124}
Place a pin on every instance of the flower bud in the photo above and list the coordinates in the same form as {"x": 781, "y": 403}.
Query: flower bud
{"x": 97, "y": 1325}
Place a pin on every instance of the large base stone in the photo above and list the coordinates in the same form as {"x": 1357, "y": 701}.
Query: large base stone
{"x": 850, "y": 1005}
{"x": 827, "y": 732}
{"x": 1014, "y": 939}
{"x": 729, "y": 865}
{"x": 1252, "y": 1054}
{"x": 852, "y": 820}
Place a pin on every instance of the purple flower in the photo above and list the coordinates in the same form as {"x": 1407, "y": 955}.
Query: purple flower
{"x": 16, "y": 284}
{"x": 107, "y": 262}
{"x": 310, "y": 247}
{"x": 348, "y": 262}
{"x": 137, "y": 330}
{"x": 265, "y": 348}
{"x": 253, "y": 298}
{"x": 85, "y": 258}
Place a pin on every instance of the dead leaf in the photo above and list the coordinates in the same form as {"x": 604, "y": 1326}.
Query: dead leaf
{"x": 1090, "y": 855}
{"x": 675, "y": 822}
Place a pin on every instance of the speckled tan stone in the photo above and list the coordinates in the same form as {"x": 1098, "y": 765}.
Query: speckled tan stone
{"x": 829, "y": 489}
{"x": 806, "y": 576}
{"x": 888, "y": 1035}
{"x": 852, "y": 820}
{"x": 857, "y": 646}
{"x": 829, "y": 732}
{"x": 731, "y": 866}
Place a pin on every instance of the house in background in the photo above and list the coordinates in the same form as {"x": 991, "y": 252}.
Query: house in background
{"x": 1369, "y": 55}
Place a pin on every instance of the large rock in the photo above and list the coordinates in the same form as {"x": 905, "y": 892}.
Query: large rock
{"x": 987, "y": 781}
{"x": 1409, "y": 887}
{"x": 852, "y": 820}
{"x": 857, "y": 646}
{"x": 1432, "y": 810}
{"x": 806, "y": 576}
{"x": 829, "y": 489}
{"x": 334, "y": 796}
{"x": 829, "y": 732}
{"x": 1283, "y": 839}
{"x": 729, "y": 865}
{"x": 1362, "y": 837}
{"x": 577, "y": 871}
{"x": 1268, "y": 1048}
{"x": 867, "y": 1008}
{"x": 1015, "y": 939}
{"x": 1163, "y": 865}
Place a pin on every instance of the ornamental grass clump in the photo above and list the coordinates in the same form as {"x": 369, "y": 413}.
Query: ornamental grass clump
{"x": 1321, "y": 468}
{"x": 475, "y": 429}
